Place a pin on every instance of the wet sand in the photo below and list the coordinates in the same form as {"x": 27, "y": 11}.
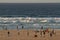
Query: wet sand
{"x": 27, "y": 35}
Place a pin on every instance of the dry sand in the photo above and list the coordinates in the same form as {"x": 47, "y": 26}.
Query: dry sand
{"x": 27, "y": 35}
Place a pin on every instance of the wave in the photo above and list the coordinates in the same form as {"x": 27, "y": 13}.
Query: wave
{"x": 6, "y": 20}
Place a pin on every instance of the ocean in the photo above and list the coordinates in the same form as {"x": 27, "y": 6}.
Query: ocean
{"x": 29, "y": 15}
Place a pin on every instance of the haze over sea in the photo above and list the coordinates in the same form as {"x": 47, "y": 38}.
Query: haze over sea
{"x": 30, "y": 15}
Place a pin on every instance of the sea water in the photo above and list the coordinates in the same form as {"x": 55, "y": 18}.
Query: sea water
{"x": 29, "y": 15}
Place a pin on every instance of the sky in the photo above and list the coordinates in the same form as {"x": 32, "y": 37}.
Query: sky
{"x": 29, "y": 1}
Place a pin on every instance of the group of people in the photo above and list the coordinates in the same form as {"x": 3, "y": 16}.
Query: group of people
{"x": 50, "y": 32}
{"x": 42, "y": 31}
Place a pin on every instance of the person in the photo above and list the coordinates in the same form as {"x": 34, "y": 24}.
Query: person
{"x": 22, "y": 26}
{"x": 50, "y": 34}
{"x": 28, "y": 33}
{"x": 53, "y": 31}
{"x": 41, "y": 33}
{"x": 18, "y": 33}
{"x": 44, "y": 33}
{"x": 36, "y": 31}
{"x": 35, "y": 35}
{"x": 8, "y": 33}
{"x": 41, "y": 30}
{"x": 47, "y": 30}
{"x": 41, "y": 27}
{"x": 6, "y": 28}
{"x": 17, "y": 27}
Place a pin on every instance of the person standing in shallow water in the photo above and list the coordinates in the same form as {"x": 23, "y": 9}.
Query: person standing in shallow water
{"x": 22, "y": 26}
{"x": 18, "y": 30}
{"x": 17, "y": 27}
{"x": 41, "y": 27}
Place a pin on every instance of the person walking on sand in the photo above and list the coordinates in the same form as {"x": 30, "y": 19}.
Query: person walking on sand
{"x": 6, "y": 28}
{"x": 41, "y": 30}
{"x": 18, "y": 30}
{"x": 27, "y": 33}
{"x": 44, "y": 33}
{"x": 53, "y": 31}
{"x": 41, "y": 33}
{"x": 50, "y": 34}
{"x": 8, "y": 33}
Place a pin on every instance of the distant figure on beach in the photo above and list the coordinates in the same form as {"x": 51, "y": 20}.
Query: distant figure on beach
{"x": 17, "y": 28}
{"x": 5, "y": 28}
{"x": 8, "y": 33}
{"x": 28, "y": 33}
{"x": 41, "y": 31}
{"x": 18, "y": 33}
{"x": 35, "y": 35}
{"x": 50, "y": 34}
{"x": 22, "y": 26}
{"x": 36, "y": 31}
{"x": 44, "y": 33}
{"x": 47, "y": 30}
{"x": 53, "y": 31}
{"x": 41, "y": 27}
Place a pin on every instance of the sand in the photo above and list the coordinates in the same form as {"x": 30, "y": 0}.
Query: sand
{"x": 27, "y": 35}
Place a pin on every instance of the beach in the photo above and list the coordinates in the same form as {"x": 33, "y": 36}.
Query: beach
{"x": 27, "y": 35}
